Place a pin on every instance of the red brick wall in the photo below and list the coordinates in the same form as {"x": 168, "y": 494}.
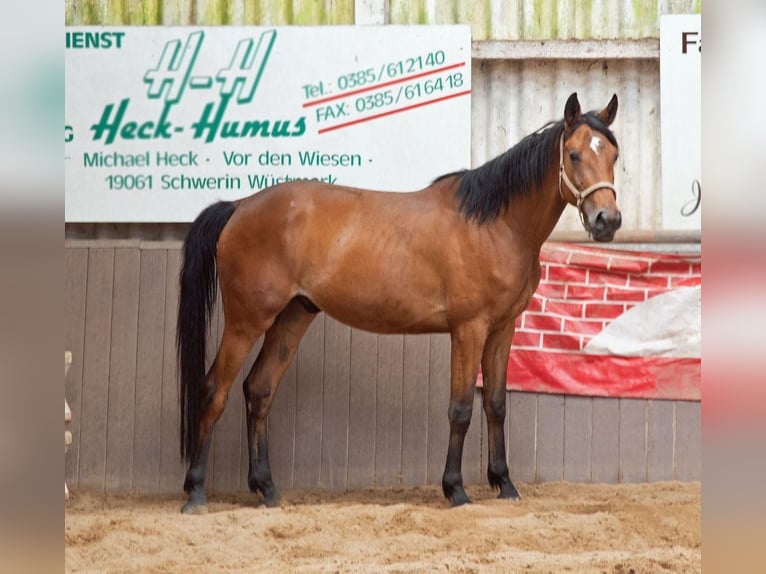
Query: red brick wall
{"x": 583, "y": 289}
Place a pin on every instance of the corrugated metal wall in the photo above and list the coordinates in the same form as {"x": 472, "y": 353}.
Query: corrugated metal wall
{"x": 489, "y": 19}
{"x": 542, "y": 19}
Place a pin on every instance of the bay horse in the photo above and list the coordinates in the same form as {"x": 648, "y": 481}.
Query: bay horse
{"x": 460, "y": 256}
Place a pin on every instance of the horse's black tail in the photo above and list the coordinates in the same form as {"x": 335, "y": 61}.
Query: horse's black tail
{"x": 198, "y": 294}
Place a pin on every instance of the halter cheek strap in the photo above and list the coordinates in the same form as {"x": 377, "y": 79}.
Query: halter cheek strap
{"x": 579, "y": 196}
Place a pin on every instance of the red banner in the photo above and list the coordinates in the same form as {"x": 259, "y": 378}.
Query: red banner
{"x": 611, "y": 323}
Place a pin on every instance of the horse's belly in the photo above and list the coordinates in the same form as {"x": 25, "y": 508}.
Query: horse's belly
{"x": 384, "y": 314}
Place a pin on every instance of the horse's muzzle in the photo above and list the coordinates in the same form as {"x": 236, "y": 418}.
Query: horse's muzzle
{"x": 604, "y": 224}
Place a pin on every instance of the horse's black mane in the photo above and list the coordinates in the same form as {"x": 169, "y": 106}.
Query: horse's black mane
{"x": 487, "y": 190}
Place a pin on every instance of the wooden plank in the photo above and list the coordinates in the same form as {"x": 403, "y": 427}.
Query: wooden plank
{"x": 244, "y": 455}
{"x": 75, "y": 289}
{"x": 415, "y": 409}
{"x": 228, "y": 436}
{"x": 282, "y": 430}
{"x": 688, "y": 452}
{"x": 212, "y": 342}
{"x": 550, "y": 438}
{"x": 172, "y": 469}
{"x": 388, "y": 407}
{"x": 438, "y": 404}
{"x": 578, "y": 415}
{"x": 659, "y": 446}
{"x": 361, "y": 416}
{"x": 337, "y": 372}
{"x": 149, "y": 358}
{"x": 632, "y": 440}
{"x": 522, "y": 431}
{"x": 95, "y": 384}
{"x": 122, "y": 370}
{"x": 472, "y": 447}
{"x": 605, "y": 448}
{"x": 308, "y": 417}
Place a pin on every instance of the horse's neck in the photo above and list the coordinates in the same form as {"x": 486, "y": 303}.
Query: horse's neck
{"x": 535, "y": 214}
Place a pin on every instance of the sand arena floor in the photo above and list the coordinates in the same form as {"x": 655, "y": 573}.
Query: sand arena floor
{"x": 556, "y": 527}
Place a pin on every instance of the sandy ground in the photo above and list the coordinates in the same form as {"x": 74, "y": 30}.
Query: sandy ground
{"x": 556, "y": 527}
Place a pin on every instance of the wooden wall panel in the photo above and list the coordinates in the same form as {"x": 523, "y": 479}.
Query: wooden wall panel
{"x": 335, "y": 405}
{"x": 578, "y": 418}
{"x": 244, "y": 455}
{"x": 550, "y": 438}
{"x": 308, "y": 406}
{"x": 473, "y": 448}
{"x": 353, "y": 410}
{"x": 171, "y": 468}
{"x": 688, "y": 449}
{"x": 212, "y": 342}
{"x": 122, "y": 370}
{"x": 361, "y": 416}
{"x": 438, "y": 401}
{"x": 605, "y": 445}
{"x": 282, "y": 430}
{"x": 388, "y": 410}
{"x": 415, "y": 409}
{"x": 659, "y": 450}
{"x": 149, "y": 366}
{"x": 95, "y": 377}
{"x": 75, "y": 288}
{"x": 228, "y": 437}
{"x": 632, "y": 441}
{"x": 522, "y": 436}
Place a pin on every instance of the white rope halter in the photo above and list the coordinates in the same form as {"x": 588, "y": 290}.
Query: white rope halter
{"x": 579, "y": 196}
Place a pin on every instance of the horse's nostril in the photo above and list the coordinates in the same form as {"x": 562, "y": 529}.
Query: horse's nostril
{"x": 604, "y": 221}
{"x": 600, "y": 222}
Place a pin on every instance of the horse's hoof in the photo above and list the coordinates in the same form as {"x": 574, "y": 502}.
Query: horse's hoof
{"x": 460, "y": 500}
{"x": 509, "y": 492}
{"x": 509, "y": 496}
{"x": 271, "y": 497}
{"x": 190, "y": 508}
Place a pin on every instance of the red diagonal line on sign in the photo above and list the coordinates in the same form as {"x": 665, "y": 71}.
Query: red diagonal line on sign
{"x": 391, "y": 112}
{"x": 382, "y": 85}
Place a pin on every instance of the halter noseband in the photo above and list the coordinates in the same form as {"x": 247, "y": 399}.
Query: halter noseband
{"x": 579, "y": 196}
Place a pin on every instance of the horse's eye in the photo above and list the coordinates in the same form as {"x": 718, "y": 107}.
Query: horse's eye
{"x": 574, "y": 156}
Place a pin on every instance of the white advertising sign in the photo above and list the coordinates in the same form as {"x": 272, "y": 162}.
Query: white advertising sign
{"x": 163, "y": 121}
{"x": 681, "y": 117}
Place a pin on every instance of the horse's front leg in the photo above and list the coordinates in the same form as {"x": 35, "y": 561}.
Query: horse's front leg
{"x": 279, "y": 347}
{"x": 467, "y": 343}
{"x": 494, "y": 367}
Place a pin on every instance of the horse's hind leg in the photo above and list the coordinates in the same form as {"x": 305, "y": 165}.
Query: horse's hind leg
{"x": 494, "y": 367}
{"x": 279, "y": 348}
{"x": 235, "y": 344}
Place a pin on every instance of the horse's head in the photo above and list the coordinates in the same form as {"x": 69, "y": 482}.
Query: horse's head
{"x": 588, "y": 152}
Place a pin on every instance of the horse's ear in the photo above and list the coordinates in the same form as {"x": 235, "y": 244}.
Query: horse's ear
{"x": 572, "y": 110}
{"x": 608, "y": 114}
